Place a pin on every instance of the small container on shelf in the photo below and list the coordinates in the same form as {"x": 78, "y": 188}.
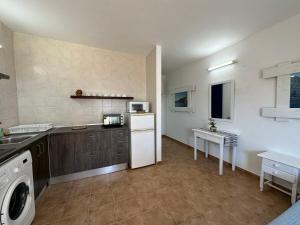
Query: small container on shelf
{"x": 78, "y": 92}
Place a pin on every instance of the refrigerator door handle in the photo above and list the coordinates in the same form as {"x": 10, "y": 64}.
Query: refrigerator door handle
{"x": 139, "y": 130}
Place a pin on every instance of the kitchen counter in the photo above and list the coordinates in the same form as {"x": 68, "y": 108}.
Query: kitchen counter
{"x": 9, "y": 150}
{"x": 90, "y": 128}
{"x": 86, "y": 150}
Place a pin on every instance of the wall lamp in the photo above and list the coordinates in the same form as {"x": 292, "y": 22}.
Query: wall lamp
{"x": 222, "y": 65}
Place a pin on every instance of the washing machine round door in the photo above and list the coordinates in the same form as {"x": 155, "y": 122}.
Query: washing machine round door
{"x": 17, "y": 202}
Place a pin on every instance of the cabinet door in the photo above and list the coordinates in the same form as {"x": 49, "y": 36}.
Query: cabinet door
{"x": 40, "y": 183}
{"x": 120, "y": 135}
{"x": 89, "y": 151}
{"x": 142, "y": 149}
{"x": 40, "y": 164}
{"x": 35, "y": 169}
{"x": 119, "y": 146}
{"x": 80, "y": 160}
{"x": 107, "y": 149}
{"x": 44, "y": 172}
{"x": 120, "y": 153}
{"x": 62, "y": 154}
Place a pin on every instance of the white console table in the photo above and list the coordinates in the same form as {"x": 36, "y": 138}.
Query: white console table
{"x": 224, "y": 139}
{"x": 282, "y": 166}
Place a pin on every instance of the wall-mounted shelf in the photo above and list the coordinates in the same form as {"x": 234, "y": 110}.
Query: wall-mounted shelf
{"x": 100, "y": 97}
{"x": 4, "y": 76}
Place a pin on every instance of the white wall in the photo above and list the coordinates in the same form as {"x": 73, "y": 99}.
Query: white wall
{"x": 266, "y": 48}
{"x": 8, "y": 88}
{"x": 153, "y": 92}
{"x": 49, "y": 71}
{"x": 163, "y": 103}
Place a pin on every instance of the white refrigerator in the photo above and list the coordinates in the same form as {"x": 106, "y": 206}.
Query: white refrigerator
{"x": 142, "y": 139}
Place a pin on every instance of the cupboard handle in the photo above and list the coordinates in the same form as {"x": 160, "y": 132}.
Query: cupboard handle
{"x": 38, "y": 150}
{"x": 43, "y": 148}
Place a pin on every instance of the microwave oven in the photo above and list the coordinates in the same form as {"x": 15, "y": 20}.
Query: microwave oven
{"x": 113, "y": 120}
{"x": 136, "y": 107}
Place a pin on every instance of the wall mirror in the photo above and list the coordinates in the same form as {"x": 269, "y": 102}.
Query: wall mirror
{"x": 287, "y": 77}
{"x": 295, "y": 90}
{"x": 221, "y": 100}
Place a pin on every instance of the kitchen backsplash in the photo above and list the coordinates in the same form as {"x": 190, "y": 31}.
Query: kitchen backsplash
{"x": 8, "y": 89}
{"x": 49, "y": 71}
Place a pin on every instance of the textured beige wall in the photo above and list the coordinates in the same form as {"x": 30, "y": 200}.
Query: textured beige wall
{"x": 49, "y": 71}
{"x": 8, "y": 89}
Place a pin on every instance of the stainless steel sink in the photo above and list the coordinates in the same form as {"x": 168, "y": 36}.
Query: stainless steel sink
{"x": 16, "y": 139}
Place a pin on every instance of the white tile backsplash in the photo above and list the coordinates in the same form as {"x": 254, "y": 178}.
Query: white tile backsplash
{"x": 49, "y": 71}
{"x": 8, "y": 89}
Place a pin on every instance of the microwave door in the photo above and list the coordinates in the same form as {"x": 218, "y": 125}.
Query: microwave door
{"x": 137, "y": 107}
{"x": 113, "y": 120}
{"x": 116, "y": 121}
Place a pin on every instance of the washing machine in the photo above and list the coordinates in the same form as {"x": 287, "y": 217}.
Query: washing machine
{"x": 16, "y": 191}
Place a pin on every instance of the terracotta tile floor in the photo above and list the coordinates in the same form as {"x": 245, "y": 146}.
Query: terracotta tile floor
{"x": 178, "y": 191}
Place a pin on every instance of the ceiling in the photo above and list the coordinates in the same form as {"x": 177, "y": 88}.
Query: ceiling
{"x": 188, "y": 30}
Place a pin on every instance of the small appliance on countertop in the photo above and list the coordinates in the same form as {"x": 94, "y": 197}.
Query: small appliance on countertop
{"x": 138, "y": 107}
{"x": 113, "y": 120}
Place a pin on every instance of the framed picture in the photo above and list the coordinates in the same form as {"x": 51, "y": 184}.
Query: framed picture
{"x": 182, "y": 99}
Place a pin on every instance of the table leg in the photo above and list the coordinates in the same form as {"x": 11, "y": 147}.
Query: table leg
{"x": 233, "y": 158}
{"x": 221, "y": 159}
{"x": 294, "y": 191}
{"x": 262, "y": 179}
{"x": 195, "y": 147}
{"x": 206, "y": 148}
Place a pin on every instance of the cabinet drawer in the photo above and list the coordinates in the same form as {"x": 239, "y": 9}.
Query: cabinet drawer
{"x": 120, "y": 136}
{"x": 208, "y": 137}
{"x": 280, "y": 166}
{"x": 120, "y": 148}
{"x": 278, "y": 173}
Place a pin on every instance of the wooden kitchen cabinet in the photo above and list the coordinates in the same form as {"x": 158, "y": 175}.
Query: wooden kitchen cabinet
{"x": 40, "y": 164}
{"x": 62, "y": 154}
{"x": 119, "y": 146}
{"x": 75, "y": 151}
{"x": 89, "y": 151}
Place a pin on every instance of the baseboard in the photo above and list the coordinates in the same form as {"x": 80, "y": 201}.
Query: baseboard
{"x": 88, "y": 173}
{"x": 211, "y": 156}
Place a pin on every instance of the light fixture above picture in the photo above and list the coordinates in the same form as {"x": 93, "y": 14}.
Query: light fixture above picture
{"x": 222, "y": 65}
{"x": 1, "y": 46}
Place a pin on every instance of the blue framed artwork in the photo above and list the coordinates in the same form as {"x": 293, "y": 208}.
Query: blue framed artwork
{"x": 181, "y": 99}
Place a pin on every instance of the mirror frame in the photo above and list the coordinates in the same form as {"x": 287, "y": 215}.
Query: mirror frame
{"x": 281, "y": 72}
{"x": 232, "y": 102}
